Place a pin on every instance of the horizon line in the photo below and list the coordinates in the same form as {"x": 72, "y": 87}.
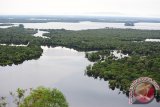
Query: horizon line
{"x": 125, "y": 16}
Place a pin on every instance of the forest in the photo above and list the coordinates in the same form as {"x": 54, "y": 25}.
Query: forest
{"x": 128, "y": 40}
{"x": 143, "y": 60}
{"x": 39, "y": 97}
{"x": 17, "y": 54}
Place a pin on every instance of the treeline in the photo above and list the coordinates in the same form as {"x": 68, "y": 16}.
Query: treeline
{"x": 127, "y": 40}
{"x": 143, "y": 57}
{"x": 97, "y": 56}
{"x": 123, "y": 71}
{"x": 87, "y": 40}
{"x": 15, "y": 55}
{"x": 143, "y": 60}
{"x": 120, "y": 73}
{"x": 16, "y": 35}
{"x": 39, "y": 97}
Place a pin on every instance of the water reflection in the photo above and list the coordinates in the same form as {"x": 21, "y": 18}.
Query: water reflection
{"x": 63, "y": 68}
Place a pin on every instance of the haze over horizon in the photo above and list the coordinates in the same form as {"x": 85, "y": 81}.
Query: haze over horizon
{"x": 129, "y": 8}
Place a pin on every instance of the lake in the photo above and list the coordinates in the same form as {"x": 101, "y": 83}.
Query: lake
{"x": 87, "y": 25}
{"x": 62, "y": 68}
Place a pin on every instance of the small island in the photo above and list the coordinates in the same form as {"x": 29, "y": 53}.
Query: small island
{"x": 129, "y": 24}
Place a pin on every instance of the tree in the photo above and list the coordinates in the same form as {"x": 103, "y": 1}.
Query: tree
{"x": 21, "y": 26}
{"x": 44, "y": 97}
{"x": 3, "y": 102}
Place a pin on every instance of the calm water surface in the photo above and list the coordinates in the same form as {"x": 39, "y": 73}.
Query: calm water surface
{"x": 62, "y": 68}
{"x": 89, "y": 25}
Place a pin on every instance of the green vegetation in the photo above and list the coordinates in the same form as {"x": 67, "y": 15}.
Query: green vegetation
{"x": 15, "y": 55}
{"x": 39, "y": 97}
{"x": 43, "y": 97}
{"x": 96, "y": 56}
{"x": 3, "y": 102}
{"x": 106, "y": 39}
{"x": 120, "y": 73}
{"x": 143, "y": 57}
{"x": 17, "y": 35}
{"x": 143, "y": 60}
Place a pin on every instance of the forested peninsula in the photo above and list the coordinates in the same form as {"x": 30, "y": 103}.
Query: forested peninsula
{"x": 17, "y": 54}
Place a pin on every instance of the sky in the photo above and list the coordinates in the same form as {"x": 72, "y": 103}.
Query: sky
{"x": 136, "y": 8}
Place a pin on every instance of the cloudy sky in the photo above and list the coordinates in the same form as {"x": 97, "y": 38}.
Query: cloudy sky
{"x": 138, "y": 8}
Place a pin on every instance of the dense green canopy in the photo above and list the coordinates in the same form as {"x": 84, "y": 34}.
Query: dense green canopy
{"x": 44, "y": 97}
{"x": 143, "y": 60}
